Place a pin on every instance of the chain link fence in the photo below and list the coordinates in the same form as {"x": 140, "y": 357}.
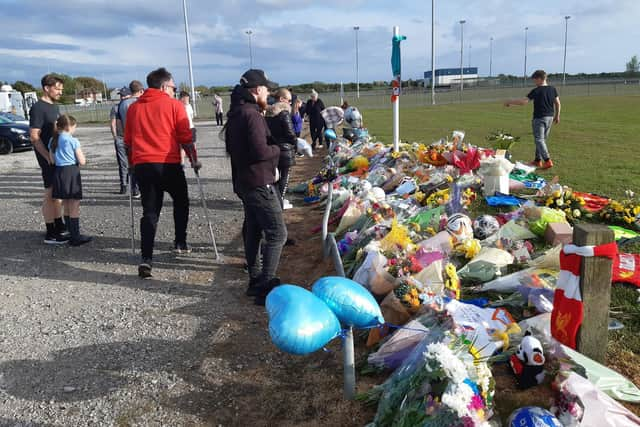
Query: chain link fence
{"x": 483, "y": 91}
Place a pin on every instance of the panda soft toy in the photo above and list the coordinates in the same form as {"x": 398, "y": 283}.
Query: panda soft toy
{"x": 528, "y": 362}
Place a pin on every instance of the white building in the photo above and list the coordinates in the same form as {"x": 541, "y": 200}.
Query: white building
{"x": 451, "y": 76}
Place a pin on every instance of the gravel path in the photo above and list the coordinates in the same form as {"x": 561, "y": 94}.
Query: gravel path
{"x": 83, "y": 341}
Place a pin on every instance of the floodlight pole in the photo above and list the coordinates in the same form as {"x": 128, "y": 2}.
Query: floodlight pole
{"x": 524, "y": 76}
{"x": 490, "y": 55}
{"x": 564, "y": 62}
{"x": 433, "y": 50}
{"x": 249, "y": 33}
{"x": 356, "y": 29}
{"x": 462, "y": 22}
{"x": 186, "y": 32}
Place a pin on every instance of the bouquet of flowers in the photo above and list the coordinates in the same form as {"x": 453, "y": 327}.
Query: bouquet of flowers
{"x": 565, "y": 200}
{"x": 501, "y": 140}
{"x": 432, "y": 154}
{"x": 401, "y": 264}
{"x": 409, "y": 295}
{"x": 438, "y": 384}
{"x": 625, "y": 212}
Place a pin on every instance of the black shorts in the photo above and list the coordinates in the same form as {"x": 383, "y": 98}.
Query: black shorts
{"x": 67, "y": 183}
{"x": 46, "y": 169}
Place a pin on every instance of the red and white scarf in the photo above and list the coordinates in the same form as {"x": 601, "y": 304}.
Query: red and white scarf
{"x": 567, "y": 313}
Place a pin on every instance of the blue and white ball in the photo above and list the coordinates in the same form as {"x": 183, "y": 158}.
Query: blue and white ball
{"x": 533, "y": 416}
{"x": 485, "y": 226}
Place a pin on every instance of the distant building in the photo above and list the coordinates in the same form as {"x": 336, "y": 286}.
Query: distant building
{"x": 451, "y": 76}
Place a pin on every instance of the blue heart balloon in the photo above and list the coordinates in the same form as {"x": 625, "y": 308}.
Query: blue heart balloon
{"x": 350, "y": 301}
{"x": 299, "y": 322}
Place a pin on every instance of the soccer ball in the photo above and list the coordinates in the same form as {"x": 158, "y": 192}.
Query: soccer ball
{"x": 485, "y": 226}
{"x": 533, "y": 416}
{"x": 353, "y": 117}
{"x": 459, "y": 226}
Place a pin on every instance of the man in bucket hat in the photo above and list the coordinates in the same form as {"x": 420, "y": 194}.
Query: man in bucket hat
{"x": 254, "y": 172}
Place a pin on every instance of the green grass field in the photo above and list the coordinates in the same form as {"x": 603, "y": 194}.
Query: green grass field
{"x": 594, "y": 148}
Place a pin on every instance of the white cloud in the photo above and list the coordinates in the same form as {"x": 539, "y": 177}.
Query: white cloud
{"x": 304, "y": 40}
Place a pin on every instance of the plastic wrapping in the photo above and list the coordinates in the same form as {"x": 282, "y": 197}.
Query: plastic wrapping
{"x": 532, "y": 277}
{"x": 372, "y": 273}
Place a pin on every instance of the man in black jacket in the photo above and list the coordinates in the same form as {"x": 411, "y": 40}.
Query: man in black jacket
{"x": 316, "y": 123}
{"x": 254, "y": 168}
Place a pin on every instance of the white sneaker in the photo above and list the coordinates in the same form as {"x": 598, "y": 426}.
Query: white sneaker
{"x": 286, "y": 205}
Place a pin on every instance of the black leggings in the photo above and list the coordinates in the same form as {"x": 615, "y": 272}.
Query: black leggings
{"x": 154, "y": 179}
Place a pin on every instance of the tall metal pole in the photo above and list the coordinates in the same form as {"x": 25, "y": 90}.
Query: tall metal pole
{"x": 433, "y": 50}
{"x": 249, "y": 32}
{"x": 396, "y": 105}
{"x": 524, "y": 76}
{"x": 462, "y": 22}
{"x": 469, "y": 57}
{"x": 356, "y": 28}
{"x": 490, "y": 55}
{"x": 186, "y": 32}
{"x": 564, "y": 62}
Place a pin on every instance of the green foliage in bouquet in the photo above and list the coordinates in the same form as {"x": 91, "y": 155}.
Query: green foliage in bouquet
{"x": 502, "y": 140}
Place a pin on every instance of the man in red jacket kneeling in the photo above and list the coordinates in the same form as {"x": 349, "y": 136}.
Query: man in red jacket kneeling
{"x": 156, "y": 127}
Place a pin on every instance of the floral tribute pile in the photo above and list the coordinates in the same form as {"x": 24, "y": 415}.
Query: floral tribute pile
{"x": 424, "y": 227}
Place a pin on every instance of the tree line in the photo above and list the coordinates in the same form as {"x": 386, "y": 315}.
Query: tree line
{"x": 75, "y": 87}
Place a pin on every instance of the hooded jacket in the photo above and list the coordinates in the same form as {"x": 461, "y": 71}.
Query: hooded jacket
{"x": 156, "y": 125}
{"x": 247, "y": 136}
{"x": 281, "y": 126}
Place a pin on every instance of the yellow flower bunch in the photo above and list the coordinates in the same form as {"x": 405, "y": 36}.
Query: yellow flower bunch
{"x": 408, "y": 295}
{"x": 565, "y": 200}
{"x": 397, "y": 238}
{"x": 419, "y": 196}
{"x": 452, "y": 281}
{"x": 626, "y": 212}
{"x": 437, "y": 198}
{"x": 469, "y": 248}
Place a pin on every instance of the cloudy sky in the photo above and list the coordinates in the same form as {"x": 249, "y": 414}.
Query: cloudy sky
{"x": 303, "y": 40}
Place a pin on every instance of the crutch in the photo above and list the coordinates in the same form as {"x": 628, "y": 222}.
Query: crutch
{"x": 206, "y": 214}
{"x": 133, "y": 229}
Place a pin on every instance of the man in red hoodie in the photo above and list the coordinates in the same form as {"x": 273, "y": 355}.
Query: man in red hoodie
{"x": 156, "y": 127}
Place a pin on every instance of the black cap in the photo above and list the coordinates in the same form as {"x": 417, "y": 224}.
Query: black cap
{"x": 255, "y": 78}
{"x": 125, "y": 91}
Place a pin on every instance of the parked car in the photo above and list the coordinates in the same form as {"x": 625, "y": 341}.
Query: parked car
{"x": 13, "y": 136}
{"x": 15, "y": 118}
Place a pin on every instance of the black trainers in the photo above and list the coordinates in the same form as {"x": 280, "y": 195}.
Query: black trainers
{"x": 182, "y": 248}
{"x": 123, "y": 189}
{"x": 144, "y": 269}
{"x": 136, "y": 194}
{"x": 261, "y": 298}
{"x": 255, "y": 287}
{"x": 56, "y": 239}
{"x": 80, "y": 240}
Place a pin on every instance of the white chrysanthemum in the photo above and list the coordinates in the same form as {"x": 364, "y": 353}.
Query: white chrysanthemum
{"x": 458, "y": 397}
{"x": 451, "y": 364}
